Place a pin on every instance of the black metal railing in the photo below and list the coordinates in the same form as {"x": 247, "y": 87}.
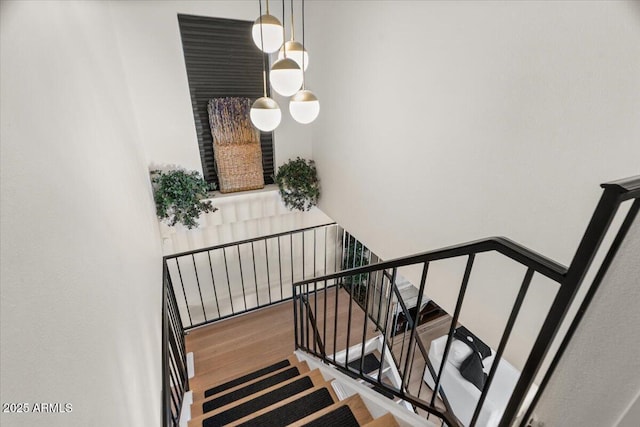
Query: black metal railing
{"x": 175, "y": 379}
{"x": 222, "y": 281}
{"x": 382, "y": 277}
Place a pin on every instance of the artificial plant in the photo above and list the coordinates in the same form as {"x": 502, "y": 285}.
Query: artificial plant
{"x": 298, "y": 182}
{"x": 179, "y": 196}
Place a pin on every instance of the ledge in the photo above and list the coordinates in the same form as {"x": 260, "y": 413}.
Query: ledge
{"x": 217, "y": 195}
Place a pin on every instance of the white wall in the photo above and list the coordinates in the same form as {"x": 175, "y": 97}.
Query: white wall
{"x": 149, "y": 38}
{"x": 81, "y": 274}
{"x": 444, "y": 122}
{"x": 596, "y": 382}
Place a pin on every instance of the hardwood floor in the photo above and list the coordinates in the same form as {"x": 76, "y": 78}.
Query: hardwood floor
{"x": 232, "y": 347}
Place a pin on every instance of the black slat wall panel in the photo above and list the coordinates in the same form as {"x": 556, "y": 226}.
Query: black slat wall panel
{"x": 221, "y": 61}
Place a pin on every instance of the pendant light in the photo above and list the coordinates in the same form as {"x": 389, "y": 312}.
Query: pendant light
{"x": 267, "y": 31}
{"x": 304, "y": 105}
{"x": 294, "y": 49}
{"x": 286, "y": 75}
{"x": 265, "y": 113}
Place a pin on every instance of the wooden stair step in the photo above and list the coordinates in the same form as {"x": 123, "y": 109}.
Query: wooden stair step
{"x": 387, "y": 420}
{"x": 321, "y": 391}
{"x": 251, "y": 387}
{"x": 355, "y": 403}
{"x": 314, "y": 376}
{"x": 203, "y": 382}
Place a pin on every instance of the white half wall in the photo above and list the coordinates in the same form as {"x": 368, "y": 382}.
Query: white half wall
{"x": 444, "y": 122}
{"x": 80, "y": 249}
{"x": 151, "y": 48}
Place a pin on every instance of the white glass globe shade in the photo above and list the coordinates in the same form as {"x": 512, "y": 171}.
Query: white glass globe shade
{"x": 296, "y": 52}
{"x": 304, "y": 107}
{"x": 271, "y": 33}
{"x": 265, "y": 114}
{"x": 285, "y": 77}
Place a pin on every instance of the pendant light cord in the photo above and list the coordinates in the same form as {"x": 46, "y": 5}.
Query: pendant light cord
{"x": 292, "y": 26}
{"x": 264, "y": 70}
{"x": 284, "y": 35}
{"x": 303, "y": 49}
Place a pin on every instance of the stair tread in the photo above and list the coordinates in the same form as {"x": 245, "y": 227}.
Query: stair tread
{"x": 256, "y": 404}
{"x": 387, "y": 420}
{"x": 354, "y": 403}
{"x": 254, "y": 387}
{"x": 371, "y": 364}
{"x": 248, "y": 377}
{"x": 314, "y": 376}
{"x": 341, "y": 416}
{"x": 293, "y": 410}
{"x": 197, "y": 405}
{"x": 198, "y": 397}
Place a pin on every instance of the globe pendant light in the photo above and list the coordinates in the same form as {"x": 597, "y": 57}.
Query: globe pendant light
{"x": 286, "y": 75}
{"x": 304, "y": 105}
{"x": 265, "y": 113}
{"x": 267, "y": 32}
{"x": 293, "y": 49}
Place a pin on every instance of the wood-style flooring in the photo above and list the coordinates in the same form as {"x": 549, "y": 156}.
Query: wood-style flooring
{"x": 232, "y": 347}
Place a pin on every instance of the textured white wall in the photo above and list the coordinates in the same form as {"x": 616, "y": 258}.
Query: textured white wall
{"x": 151, "y": 48}
{"x": 81, "y": 274}
{"x": 597, "y": 382}
{"x": 444, "y": 122}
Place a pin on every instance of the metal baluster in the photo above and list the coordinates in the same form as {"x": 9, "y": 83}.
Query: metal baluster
{"x": 364, "y": 331}
{"x": 294, "y": 297}
{"x": 195, "y": 269}
{"x": 346, "y": 360}
{"x": 380, "y": 299}
{"x": 266, "y": 258}
{"x": 226, "y": 269}
{"x": 503, "y": 342}
{"x": 413, "y": 338}
{"x": 213, "y": 282}
{"x": 314, "y": 253}
{"x": 325, "y": 251}
{"x": 324, "y": 320}
{"x": 280, "y": 268}
{"x": 291, "y": 244}
{"x": 386, "y": 323}
{"x": 335, "y": 325}
{"x": 244, "y": 296}
{"x": 255, "y": 275}
{"x": 186, "y": 303}
{"x": 454, "y": 321}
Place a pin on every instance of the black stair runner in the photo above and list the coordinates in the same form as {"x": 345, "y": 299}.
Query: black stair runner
{"x": 371, "y": 364}
{"x": 251, "y": 376}
{"x": 342, "y": 417}
{"x": 250, "y": 389}
{"x": 260, "y": 402}
{"x": 293, "y": 411}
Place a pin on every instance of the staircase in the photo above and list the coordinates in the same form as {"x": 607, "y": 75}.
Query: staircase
{"x": 345, "y": 370}
{"x": 292, "y": 392}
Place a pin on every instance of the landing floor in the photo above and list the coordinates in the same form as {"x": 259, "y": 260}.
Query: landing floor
{"x": 231, "y": 347}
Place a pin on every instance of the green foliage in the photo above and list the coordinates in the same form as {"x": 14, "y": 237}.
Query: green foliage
{"x": 298, "y": 183}
{"x": 356, "y": 255}
{"x": 178, "y": 195}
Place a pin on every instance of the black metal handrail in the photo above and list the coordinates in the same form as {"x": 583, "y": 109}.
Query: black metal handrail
{"x": 222, "y": 281}
{"x": 569, "y": 280}
{"x": 175, "y": 378}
